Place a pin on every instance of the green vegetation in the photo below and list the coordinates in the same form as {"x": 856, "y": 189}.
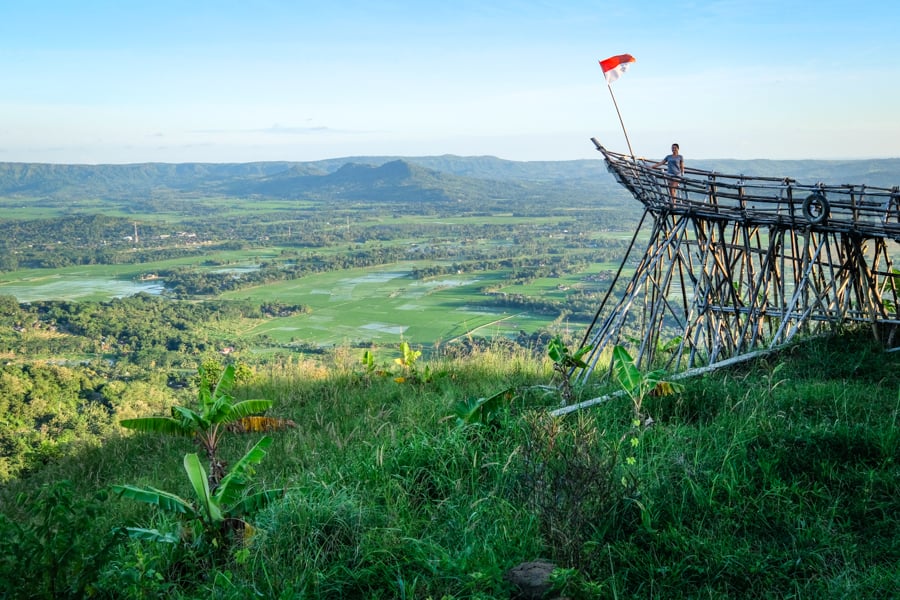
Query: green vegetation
{"x": 218, "y": 514}
{"x": 772, "y": 479}
{"x": 217, "y": 412}
{"x": 564, "y": 362}
{"x": 354, "y": 254}
{"x": 639, "y": 385}
{"x": 404, "y": 321}
{"x": 272, "y": 274}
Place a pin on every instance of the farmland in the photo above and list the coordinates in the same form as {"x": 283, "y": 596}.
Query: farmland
{"x": 375, "y": 251}
{"x": 410, "y": 259}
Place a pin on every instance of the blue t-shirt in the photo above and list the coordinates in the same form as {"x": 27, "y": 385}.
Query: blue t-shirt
{"x": 673, "y": 164}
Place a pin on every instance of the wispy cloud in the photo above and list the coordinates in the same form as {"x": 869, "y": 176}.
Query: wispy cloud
{"x": 276, "y": 129}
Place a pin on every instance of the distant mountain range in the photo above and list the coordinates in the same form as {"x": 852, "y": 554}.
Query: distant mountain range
{"x": 382, "y": 179}
{"x": 431, "y": 178}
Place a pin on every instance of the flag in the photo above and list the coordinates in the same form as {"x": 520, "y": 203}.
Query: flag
{"x": 614, "y": 66}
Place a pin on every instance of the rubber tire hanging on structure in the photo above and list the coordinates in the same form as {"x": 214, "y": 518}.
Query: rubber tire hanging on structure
{"x": 815, "y": 208}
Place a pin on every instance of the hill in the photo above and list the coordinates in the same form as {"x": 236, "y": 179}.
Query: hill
{"x": 392, "y": 181}
{"x": 432, "y": 178}
{"x": 874, "y": 172}
{"x": 400, "y": 479}
{"x": 115, "y": 181}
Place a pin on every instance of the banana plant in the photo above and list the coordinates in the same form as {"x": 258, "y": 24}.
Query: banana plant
{"x": 368, "y": 361}
{"x": 217, "y": 414}
{"x": 639, "y": 385}
{"x": 408, "y": 362}
{"x": 214, "y": 512}
{"x": 564, "y": 362}
{"x": 408, "y": 356}
{"x": 483, "y": 411}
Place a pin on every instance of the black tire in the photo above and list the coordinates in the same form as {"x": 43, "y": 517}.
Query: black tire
{"x": 815, "y": 208}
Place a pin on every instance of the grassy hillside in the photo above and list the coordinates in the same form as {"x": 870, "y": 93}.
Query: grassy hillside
{"x": 775, "y": 479}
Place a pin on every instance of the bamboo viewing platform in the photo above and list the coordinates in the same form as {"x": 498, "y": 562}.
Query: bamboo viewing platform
{"x": 762, "y": 201}
{"x": 735, "y": 264}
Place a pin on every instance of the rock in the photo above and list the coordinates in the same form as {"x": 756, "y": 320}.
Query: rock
{"x": 531, "y": 580}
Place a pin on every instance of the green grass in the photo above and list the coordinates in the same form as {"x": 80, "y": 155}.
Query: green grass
{"x": 777, "y": 479}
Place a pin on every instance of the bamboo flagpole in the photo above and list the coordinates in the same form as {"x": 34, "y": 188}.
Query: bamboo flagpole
{"x": 613, "y": 68}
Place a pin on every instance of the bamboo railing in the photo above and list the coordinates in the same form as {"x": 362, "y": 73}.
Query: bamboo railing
{"x": 761, "y": 201}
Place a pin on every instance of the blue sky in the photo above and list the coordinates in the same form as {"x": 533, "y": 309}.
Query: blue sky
{"x": 86, "y": 81}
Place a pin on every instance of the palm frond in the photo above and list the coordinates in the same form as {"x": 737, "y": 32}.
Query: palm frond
{"x": 232, "y": 485}
{"x": 256, "y": 502}
{"x": 197, "y": 474}
{"x": 247, "y": 408}
{"x": 166, "y": 425}
{"x": 150, "y": 495}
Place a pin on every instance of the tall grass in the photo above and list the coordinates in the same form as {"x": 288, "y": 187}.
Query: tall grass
{"x": 778, "y": 479}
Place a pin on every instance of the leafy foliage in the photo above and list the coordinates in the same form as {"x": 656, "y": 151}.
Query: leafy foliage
{"x": 637, "y": 384}
{"x": 564, "y": 361}
{"x": 50, "y": 551}
{"x": 753, "y": 487}
{"x": 213, "y": 514}
{"x": 368, "y": 362}
{"x": 408, "y": 366}
{"x": 483, "y": 411}
{"x": 217, "y": 414}
{"x": 408, "y": 361}
{"x": 48, "y": 410}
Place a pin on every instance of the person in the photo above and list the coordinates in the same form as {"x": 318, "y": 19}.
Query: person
{"x": 674, "y": 168}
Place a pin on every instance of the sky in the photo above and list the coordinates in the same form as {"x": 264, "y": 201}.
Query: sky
{"x": 102, "y": 82}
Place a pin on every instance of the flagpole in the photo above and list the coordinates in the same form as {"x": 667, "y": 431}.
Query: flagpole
{"x": 613, "y": 67}
{"x": 630, "y": 151}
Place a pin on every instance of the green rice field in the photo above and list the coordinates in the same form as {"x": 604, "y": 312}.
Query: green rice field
{"x": 104, "y": 282}
{"x": 385, "y": 305}
{"x": 378, "y": 305}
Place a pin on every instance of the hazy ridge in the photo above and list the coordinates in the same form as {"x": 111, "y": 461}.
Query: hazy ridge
{"x": 438, "y": 178}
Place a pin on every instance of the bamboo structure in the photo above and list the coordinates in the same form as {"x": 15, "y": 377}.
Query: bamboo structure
{"x": 736, "y": 264}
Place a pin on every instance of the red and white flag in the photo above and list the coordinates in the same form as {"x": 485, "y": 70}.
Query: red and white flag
{"x": 614, "y": 66}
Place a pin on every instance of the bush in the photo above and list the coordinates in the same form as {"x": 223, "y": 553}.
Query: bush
{"x": 50, "y": 550}
{"x": 572, "y": 479}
